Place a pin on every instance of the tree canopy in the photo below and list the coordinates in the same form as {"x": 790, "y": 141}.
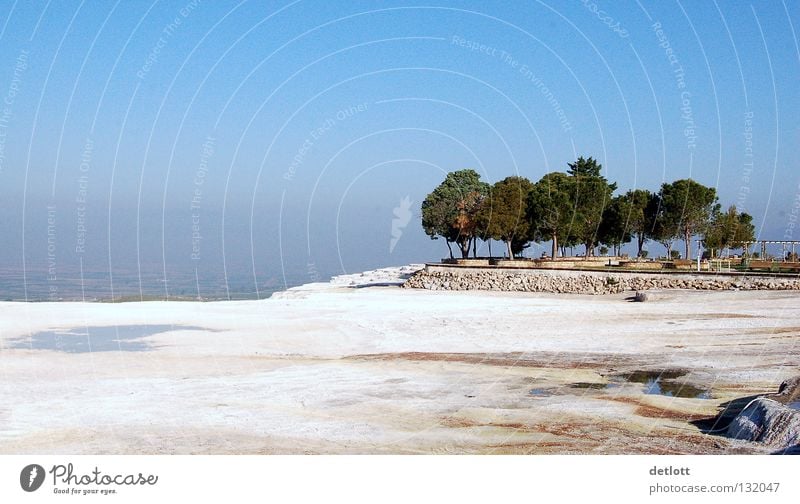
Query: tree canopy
{"x": 639, "y": 208}
{"x": 592, "y": 194}
{"x": 728, "y": 230}
{"x": 450, "y": 211}
{"x": 615, "y": 229}
{"x": 551, "y": 209}
{"x": 685, "y": 210}
{"x": 503, "y": 215}
{"x": 588, "y": 168}
{"x": 577, "y": 207}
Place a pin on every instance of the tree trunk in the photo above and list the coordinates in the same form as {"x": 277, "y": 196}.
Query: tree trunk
{"x": 475, "y": 247}
{"x": 687, "y": 237}
{"x": 489, "y": 241}
{"x": 449, "y": 248}
{"x": 640, "y": 240}
{"x": 464, "y": 244}
{"x": 510, "y": 252}
{"x": 555, "y": 247}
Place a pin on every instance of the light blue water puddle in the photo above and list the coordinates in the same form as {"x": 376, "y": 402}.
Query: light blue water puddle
{"x": 655, "y": 383}
{"x": 122, "y": 338}
{"x": 661, "y": 383}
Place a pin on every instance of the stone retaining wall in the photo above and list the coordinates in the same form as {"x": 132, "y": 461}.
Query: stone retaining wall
{"x": 584, "y": 282}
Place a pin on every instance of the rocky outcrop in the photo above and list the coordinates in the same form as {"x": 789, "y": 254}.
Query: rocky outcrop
{"x": 789, "y": 391}
{"x": 768, "y": 422}
{"x": 584, "y": 282}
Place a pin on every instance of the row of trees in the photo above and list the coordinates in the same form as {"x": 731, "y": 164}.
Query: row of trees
{"x": 578, "y": 208}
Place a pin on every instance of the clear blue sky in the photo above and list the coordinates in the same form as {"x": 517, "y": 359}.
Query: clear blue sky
{"x": 297, "y": 128}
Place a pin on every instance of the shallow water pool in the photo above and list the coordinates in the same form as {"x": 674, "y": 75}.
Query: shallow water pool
{"x": 661, "y": 383}
{"x": 123, "y": 338}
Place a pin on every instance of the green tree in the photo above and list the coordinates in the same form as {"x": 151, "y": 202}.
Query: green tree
{"x": 615, "y": 228}
{"x": 686, "y": 208}
{"x": 551, "y": 208}
{"x": 730, "y": 229}
{"x": 586, "y": 168}
{"x": 592, "y": 195}
{"x": 745, "y": 233}
{"x": 438, "y": 216}
{"x": 660, "y": 229}
{"x": 638, "y": 220}
{"x": 450, "y": 211}
{"x": 482, "y": 228}
{"x": 503, "y": 214}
